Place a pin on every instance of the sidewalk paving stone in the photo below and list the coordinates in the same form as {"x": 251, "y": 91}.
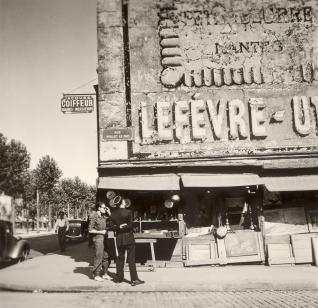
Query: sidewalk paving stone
{"x": 243, "y": 299}
{"x": 71, "y": 271}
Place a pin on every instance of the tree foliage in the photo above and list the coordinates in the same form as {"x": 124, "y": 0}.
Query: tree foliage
{"x": 29, "y": 195}
{"x": 16, "y": 179}
{"x": 77, "y": 195}
{"x": 14, "y": 164}
{"x": 47, "y": 174}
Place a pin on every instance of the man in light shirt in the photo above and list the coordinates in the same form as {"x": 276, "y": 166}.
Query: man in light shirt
{"x": 62, "y": 226}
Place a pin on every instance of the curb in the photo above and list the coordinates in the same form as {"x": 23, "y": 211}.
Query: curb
{"x": 164, "y": 287}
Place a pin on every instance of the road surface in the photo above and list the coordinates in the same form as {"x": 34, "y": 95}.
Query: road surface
{"x": 248, "y": 299}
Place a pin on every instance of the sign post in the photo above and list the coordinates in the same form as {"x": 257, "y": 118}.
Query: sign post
{"x": 122, "y": 133}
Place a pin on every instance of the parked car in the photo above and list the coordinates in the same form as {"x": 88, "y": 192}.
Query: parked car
{"x": 13, "y": 249}
{"x": 78, "y": 230}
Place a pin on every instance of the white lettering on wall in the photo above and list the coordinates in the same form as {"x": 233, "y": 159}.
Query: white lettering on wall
{"x": 314, "y": 102}
{"x": 146, "y": 123}
{"x": 217, "y": 113}
{"x": 164, "y": 116}
{"x": 301, "y": 114}
{"x": 257, "y": 108}
{"x": 181, "y": 113}
{"x": 237, "y": 112}
{"x": 198, "y": 120}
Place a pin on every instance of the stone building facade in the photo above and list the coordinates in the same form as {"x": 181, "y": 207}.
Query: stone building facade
{"x": 215, "y": 100}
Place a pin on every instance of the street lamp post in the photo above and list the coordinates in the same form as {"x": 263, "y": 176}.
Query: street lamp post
{"x": 37, "y": 211}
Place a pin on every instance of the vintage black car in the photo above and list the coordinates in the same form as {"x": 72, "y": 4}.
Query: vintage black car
{"x": 78, "y": 230}
{"x": 13, "y": 249}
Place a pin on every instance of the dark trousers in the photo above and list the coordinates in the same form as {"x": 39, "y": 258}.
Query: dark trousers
{"x": 120, "y": 263}
{"x": 61, "y": 237}
{"x": 90, "y": 241}
{"x": 101, "y": 260}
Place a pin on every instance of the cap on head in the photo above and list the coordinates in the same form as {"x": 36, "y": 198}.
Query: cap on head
{"x": 127, "y": 202}
{"x": 110, "y": 195}
{"x": 116, "y": 201}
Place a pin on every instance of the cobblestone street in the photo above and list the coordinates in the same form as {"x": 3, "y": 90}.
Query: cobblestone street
{"x": 164, "y": 299}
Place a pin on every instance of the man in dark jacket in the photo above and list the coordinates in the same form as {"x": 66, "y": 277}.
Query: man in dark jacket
{"x": 122, "y": 222}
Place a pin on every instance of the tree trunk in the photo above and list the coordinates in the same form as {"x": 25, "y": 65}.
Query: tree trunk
{"x": 13, "y": 215}
{"x": 49, "y": 224}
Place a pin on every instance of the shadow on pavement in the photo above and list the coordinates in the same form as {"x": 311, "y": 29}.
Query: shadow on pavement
{"x": 79, "y": 251}
{"x": 87, "y": 271}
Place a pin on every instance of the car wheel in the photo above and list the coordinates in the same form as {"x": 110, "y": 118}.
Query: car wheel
{"x": 24, "y": 255}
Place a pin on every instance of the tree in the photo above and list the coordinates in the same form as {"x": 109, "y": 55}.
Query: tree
{"x": 14, "y": 164}
{"x": 29, "y": 195}
{"x": 47, "y": 174}
{"x": 30, "y": 188}
{"x": 3, "y": 159}
{"x": 78, "y": 196}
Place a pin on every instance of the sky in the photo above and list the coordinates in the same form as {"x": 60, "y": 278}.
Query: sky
{"x": 47, "y": 48}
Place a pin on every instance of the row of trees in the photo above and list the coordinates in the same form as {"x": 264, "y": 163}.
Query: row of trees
{"x": 42, "y": 190}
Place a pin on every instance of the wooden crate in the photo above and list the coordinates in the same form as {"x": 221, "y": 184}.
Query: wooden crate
{"x": 314, "y": 241}
{"x": 200, "y": 251}
{"x": 302, "y": 247}
{"x": 280, "y": 253}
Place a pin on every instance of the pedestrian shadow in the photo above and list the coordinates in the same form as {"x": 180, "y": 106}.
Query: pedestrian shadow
{"x": 87, "y": 271}
{"x": 79, "y": 252}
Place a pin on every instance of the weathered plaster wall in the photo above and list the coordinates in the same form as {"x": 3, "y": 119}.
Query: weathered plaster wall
{"x": 208, "y": 78}
{"x": 112, "y": 102}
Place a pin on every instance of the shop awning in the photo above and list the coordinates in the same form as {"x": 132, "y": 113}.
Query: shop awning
{"x": 291, "y": 183}
{"x": 141, "y": 182}
{"x": 220, "y": 180}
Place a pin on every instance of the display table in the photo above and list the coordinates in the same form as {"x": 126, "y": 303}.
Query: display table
{"x": 151, "y": 241}
{"x": 154, "y": 235}
{"x": 142, "y": 240}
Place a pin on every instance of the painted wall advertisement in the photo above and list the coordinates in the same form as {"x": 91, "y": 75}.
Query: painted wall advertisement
{"x": 209, "y": 78}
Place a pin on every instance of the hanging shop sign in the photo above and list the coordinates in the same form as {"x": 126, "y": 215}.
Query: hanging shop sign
{"x": 77, "y": 103}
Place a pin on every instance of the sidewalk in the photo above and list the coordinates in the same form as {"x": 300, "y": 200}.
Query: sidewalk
{"x": 70, "y": 272}
{"x": 31, "y": 233}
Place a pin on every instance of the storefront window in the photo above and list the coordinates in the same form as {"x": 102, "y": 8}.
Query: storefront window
{"x": 289, "y": 212}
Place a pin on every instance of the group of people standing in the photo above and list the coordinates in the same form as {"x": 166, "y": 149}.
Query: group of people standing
{"x": 120, "y": 221}
{"x": 101, "y": 221}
